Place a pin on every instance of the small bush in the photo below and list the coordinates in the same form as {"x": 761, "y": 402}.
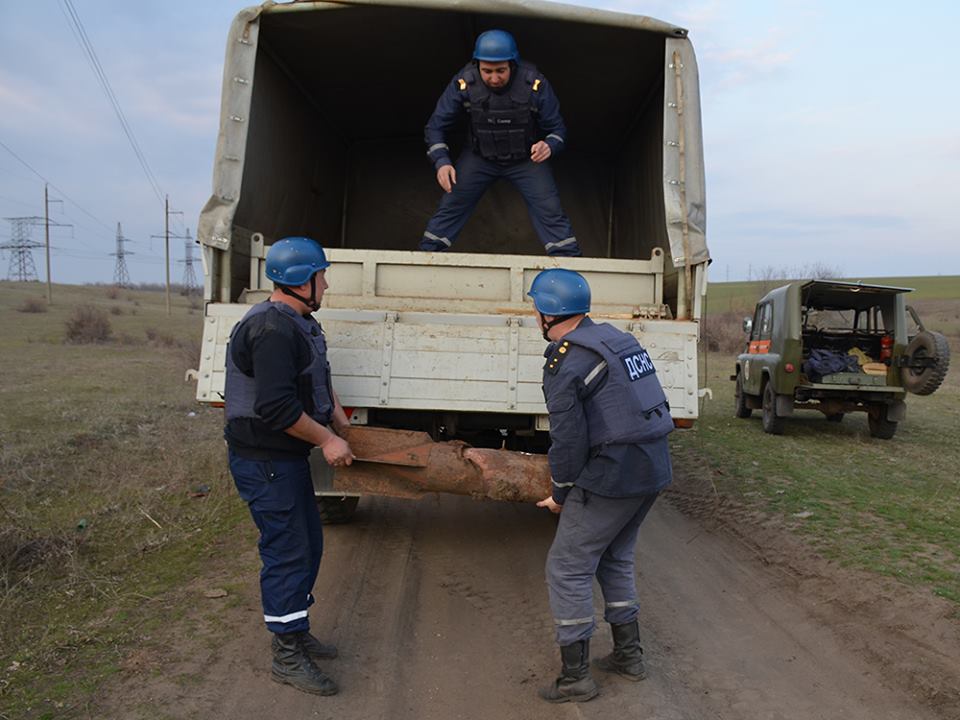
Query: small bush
{"x": 116, "y": 310}
{"x": 113, "y": 293}
{"x": 87, "y": 325}
{"x": 32, "y": 305}
{"x": 160, "y": 339}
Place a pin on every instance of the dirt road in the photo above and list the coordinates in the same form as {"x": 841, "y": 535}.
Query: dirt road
{"x": 439, "y": 610}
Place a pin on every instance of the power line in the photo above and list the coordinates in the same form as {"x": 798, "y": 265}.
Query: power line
{"x": 59, "y": 191}
{"x": 81, "y": 34}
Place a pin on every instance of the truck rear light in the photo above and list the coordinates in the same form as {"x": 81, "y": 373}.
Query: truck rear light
{"x": 789, "y": 367}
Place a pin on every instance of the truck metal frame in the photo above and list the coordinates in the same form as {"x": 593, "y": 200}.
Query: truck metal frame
{"x": 447, "y": 342}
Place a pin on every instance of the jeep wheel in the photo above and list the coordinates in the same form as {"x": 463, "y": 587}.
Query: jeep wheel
{"x": 771, "y": 423}
{"x": 336, "y": 509}
{"x": 880, "y": 427}
{"x": 931, "y": 351}
{"x": 740, "y": 401}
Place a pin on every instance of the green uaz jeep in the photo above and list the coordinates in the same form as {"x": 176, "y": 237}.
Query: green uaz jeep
{"x": 836, "y": 347}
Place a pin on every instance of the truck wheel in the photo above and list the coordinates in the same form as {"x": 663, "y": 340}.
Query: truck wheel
{"x": 740, "y": 400}
{"x": 771, "y": 423}
{"x": 932, "y": 347}
{"x": 336, "y": 509}
{"x": 880, "y": 427}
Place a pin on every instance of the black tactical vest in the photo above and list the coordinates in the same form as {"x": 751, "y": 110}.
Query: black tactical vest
{"x": 313, "y": 382}
{"x": 502, "y": 126}
{"x": 630, "y": 406}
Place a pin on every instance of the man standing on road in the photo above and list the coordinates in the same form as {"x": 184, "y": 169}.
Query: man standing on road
{"x": 609, "y": 458}
{"x": 515, "y": 128}
{"x": 278, "y": 403}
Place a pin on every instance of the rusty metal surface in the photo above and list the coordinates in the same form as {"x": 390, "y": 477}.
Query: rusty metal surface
{"x": 404, "y": 463}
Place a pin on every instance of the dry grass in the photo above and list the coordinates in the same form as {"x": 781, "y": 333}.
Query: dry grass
{"x": 101, "y": 446}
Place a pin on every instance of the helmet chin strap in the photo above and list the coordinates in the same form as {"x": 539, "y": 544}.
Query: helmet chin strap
{"x": 310, "y": 302}
{"x": 548, "y": 325}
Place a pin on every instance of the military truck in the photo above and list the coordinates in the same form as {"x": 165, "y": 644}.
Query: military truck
{"x": 321, "y": 134}
{"x": 837, "y": 347}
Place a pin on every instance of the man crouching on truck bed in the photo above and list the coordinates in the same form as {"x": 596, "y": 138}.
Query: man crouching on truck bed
{"x": 511, "y": 106}
{"x": 609, "y": 458}
{"x": 278, "y": 403}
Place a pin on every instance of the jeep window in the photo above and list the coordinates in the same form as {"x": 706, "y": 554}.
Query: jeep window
{"x": 766, "y": 321}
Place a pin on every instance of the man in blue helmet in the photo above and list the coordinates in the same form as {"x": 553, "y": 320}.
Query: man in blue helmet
{"x": 279, "y": 402}
{"x": 609, "y": 458}
{"x": 515, "y": 128}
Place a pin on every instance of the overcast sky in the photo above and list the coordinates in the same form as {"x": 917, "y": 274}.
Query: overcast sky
{"x": 832, "y": 129}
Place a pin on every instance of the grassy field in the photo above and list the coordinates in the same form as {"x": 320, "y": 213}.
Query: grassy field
{"x": 116, "y": 501}
{"x": 892, "y": 506}
{"x": 113, "y": 488}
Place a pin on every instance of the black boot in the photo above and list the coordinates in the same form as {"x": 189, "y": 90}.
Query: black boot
{"x": 575, "y": 683}
{"x": 317, "y": 649}
{"x": 292, "y": 665}
{"x": 627, "y": 656}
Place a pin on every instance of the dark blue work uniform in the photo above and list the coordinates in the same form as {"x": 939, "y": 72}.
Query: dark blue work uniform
{"x": 609, "y": 458}
{"x": 504, "y": 124}
{"x": 277, "y": 370}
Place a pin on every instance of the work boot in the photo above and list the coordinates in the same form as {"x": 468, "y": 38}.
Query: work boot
{"x": 317, "y": 649}
{"x": 575, "y": 683}
{"x": 292, "y": 665}
{"x": 627, "y": 656}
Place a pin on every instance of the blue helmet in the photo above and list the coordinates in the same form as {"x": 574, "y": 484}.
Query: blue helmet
{"x": 496, "y": 46}
{"x": 560, "y": 292}
{"x": 294, "y": 260}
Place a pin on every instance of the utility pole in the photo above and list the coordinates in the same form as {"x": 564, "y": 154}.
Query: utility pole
{"x": 167, "y": 212}
{"x": 121, "y": 278}
{"x": 46, "y": 232}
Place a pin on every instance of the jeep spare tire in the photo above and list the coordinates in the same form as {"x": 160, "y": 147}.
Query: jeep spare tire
{"x": 928, "y": 358}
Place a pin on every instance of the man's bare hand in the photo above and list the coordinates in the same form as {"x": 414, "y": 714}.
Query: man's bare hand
{"x": 550, "y": 505}
{"x": 447, "y": 177}
{"x": 540, "y": 152}
{"x": 337, "y": 452}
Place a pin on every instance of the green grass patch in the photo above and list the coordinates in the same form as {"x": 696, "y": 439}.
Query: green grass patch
{"x": 888, "y": 506}
{"x": 101, "y": 448}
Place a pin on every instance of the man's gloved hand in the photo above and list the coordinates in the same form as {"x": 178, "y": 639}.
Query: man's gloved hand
{"x": 447, "y": 177}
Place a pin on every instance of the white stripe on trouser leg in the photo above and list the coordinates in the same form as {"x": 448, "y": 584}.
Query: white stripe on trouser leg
{"x": 622, "y": 603}
{"x": 285, "y": 618}
{"x": 562, "y": 243}
{"x": 573, "y": 621}
{"x": 431, "y": 236}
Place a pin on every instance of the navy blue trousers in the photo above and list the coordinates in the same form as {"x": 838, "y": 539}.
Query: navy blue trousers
{"x": 535, "y": 183}
{"x": 596, "y": 535}
{"x": 280, "y": 496}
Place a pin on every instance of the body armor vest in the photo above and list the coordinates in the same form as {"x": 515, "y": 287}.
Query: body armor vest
{"x": 630, "y": 406}
{"x": 502, "y": 125}
{"x": 313, "y": 382}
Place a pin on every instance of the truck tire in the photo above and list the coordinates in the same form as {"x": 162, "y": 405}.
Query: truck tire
{"x": 880, "y": 427}
{"x": 336, "y": 509}
{"x": 931, "y": 346}
{"x": 771, "y": 423}
{"x": 740, "y": 400}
